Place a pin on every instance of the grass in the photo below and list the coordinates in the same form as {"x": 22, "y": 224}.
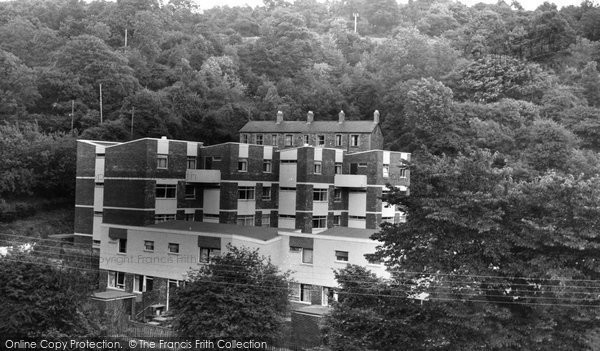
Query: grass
{"x": 40, "y": 225}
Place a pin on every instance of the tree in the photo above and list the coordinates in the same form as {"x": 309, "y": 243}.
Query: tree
{"x": 492, "y": 78}
{"x": 17, "y": 85}
{"x": 515, "y": 262}
{"x": 238, "y": 295}
{"x": 41, "y": 298}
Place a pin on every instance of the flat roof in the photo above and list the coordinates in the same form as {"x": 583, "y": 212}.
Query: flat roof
{"x": 316, "y": 310}
{"x": 345, "y": 232}
{"x": 260, "y": 233}
{"x": 112, "y": 295}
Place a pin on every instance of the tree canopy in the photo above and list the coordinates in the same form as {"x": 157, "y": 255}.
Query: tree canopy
{"x": 238, "y": 295}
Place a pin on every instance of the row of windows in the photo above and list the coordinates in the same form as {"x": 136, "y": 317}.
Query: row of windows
{"x": 288, "y": 139}
{"x": 340, "y": 256}
{"x": 141, "y": 283}
{"x": 204, "y": 254}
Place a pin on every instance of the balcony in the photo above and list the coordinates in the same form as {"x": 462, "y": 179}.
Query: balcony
{"x": 203, "y": 176}
{"x": 350, "y": 181}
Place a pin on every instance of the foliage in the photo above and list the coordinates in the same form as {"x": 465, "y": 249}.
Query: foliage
{"x": 43, "y": 299}
{"x": 238, "y": 295}
{"x": 35, "y": 162}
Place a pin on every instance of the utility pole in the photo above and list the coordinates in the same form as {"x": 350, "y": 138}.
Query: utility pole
{"x": 132, "y": 114}
{"x": 72, "y": 114}
{"x": 100, "y": 103}
{"x": 355, "y": 14}
{"x": 125, "y": 37}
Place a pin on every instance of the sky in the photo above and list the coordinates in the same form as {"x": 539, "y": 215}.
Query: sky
{"x": 527, "y": 4}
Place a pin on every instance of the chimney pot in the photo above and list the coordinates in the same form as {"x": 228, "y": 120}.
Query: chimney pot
{"x": 342, "y": 116}
{"x": 310, "y": 117}
{"x": 279, "y": 117}
{"x": 163, "y": 137}
{"x": 376, "y": 117}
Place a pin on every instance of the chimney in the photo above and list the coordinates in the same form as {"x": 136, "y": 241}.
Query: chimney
{"x": 376, "y": 117}
{"x": 279, "y": 117}
{"x": 342, "y": 116}
{"x": 309, "y": 117}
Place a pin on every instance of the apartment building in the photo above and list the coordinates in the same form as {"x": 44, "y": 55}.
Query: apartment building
{"x": 156, "y": 208}
{"x": 342, "y": 134}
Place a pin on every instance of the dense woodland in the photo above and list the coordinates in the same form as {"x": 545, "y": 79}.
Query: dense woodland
{"x": 499, "y": 106}
{"x": 444, "y": 76}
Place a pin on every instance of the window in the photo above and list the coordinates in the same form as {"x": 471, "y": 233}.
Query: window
{"x": 166, "y": 191}
{"x": 373, "y": 261}
{"x": 122, "y": 245}
{"x": 305, "y": 292}
{"x": 246, "y": 193}
{"x": 295, "y": 249}
{"x": 274, "y": 139}
{"x": 162, "y": 161}
{"x": 149, "y": 281}
{"x": 189, "y": 217}
{"x": 245, "y": 220}
{"x": 288, "y": 140}
{"x": 138, "y": 283}
{"x": 148, "y": 245}
{"x": 305, "y": 139}
{"x": 386, "y": 171}
{"x": 318, "y": 167}
{"x": 266, "y": 193}
{"x": 338, "y": 168}
{"x": 211, "y": 218}
{"x": 320, "y": 195}
{"x": 163, "y": 218}
{"x": 244, "y": 139}
{"x": 337, "y": 220}
{"x": 321, "y": 140}
{"x": 341, "y": 256}
{"x": 191, "y": 162}
{"x": 267, "y": 166}
{"x": 259, "y": 139}
{"x": 265, "y": 220}
{"x": 337, "y": 194}
{"x": 362, "y": 164}
{"x": 206, "y": 254}
{"x": 307, "y": 256}
{"x": 116, "y": 280}
{"x": 217, "y": 158}
{"x": 319, "y": 222}
{"x": 243, "y": 165}
{"x": 173, "y": 248}
{"x": 142, "y": 283}
{"x": 354, "y": 140}
{"x": 338, "y": 140}
{"x": 402, "y": 172}
{"x": 190, "y": 191}
{"x": 357, "y": 217}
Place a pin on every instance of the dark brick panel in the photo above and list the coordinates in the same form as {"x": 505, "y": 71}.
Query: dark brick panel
{"x": 84, "y": 220}
{"x": 84, "y": 191}
{"x": 130, "y": 160}
{"x": 128, "y": 217}
{"x": 129, "y": 193}
{"x": 229, "y": 196}
{"x": 86, "y": 159}
{"x": 304, "y": 197}
{"x": 304, "y": 221}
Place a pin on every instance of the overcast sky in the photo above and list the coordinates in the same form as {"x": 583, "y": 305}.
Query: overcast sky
{"x": 527, "y": 4}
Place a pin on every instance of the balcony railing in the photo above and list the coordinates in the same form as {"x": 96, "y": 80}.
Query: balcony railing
{"x": 350, "y": 180}
{"x": 203, "y": 176}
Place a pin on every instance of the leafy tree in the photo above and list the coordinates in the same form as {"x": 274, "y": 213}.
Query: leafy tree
{"x": 498, "y": 252}
{"x": 43, "y": 299}
{"x": 17, "y": 85}
{"x": 35, "y": 162}
{"x": 238, "y": 295}
{"x": 492, "y": 78}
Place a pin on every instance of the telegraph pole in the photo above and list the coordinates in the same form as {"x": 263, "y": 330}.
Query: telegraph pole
{"x": 72, "y": 113}
{"x": 355, "y": 14}
{"x": 132, "y": 114}
{"x": 125, "y": 37}
{"x": 101, "y": 103}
